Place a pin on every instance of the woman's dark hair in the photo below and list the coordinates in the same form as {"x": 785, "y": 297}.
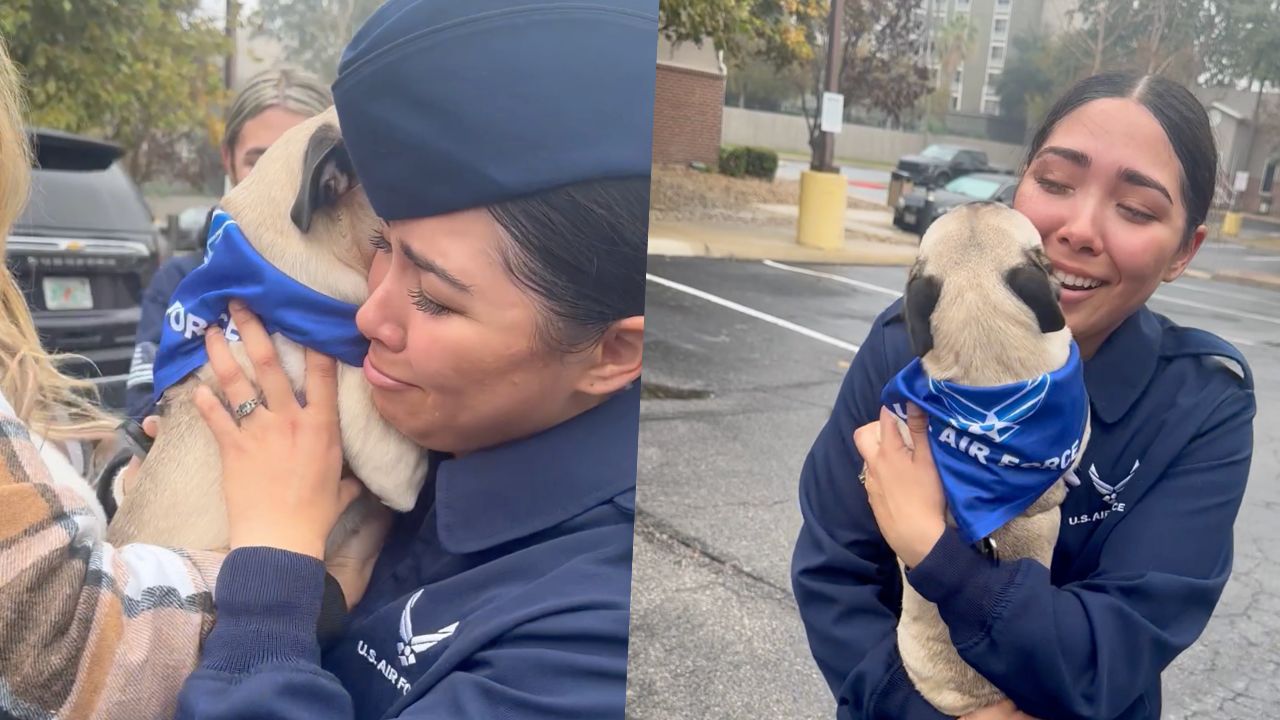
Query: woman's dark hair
{"x": 1183, "y": 118}
{"x": 581, "y": 251}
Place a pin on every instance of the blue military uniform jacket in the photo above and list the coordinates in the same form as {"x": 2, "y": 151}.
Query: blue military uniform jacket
{"x": 505, "y": 593}
{"x": 1143, "y": 552}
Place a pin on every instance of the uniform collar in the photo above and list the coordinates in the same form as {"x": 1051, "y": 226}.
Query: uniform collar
{"x": 1123, "y": 367}
{"x": 493, "y": 496}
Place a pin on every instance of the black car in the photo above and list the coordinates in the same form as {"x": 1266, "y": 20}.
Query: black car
{"x": 82, "y": 251}
{"x": 938, "y": 164}
{"x": 918, "y": 208}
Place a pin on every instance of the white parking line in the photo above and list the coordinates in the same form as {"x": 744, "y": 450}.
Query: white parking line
{"x": 897, "y": 293}
{"x": 1215, "y": 308}
{"x": 1185, "y": 283}
{"x": 837, "y": 278}
{"x": 772, "y": 319}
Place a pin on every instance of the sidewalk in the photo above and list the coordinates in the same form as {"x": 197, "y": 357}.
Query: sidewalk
{"x": 870, "y": 239}
{"x": 763, "y": 242}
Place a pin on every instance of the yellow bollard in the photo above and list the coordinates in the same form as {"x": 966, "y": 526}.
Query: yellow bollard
{"x": 1230, "y": 224}
{"x": 822, "y": 204}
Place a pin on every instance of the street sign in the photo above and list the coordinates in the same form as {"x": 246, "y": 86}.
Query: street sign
{"x": 1241, "y": 183}
{"x": 832, "y": 112}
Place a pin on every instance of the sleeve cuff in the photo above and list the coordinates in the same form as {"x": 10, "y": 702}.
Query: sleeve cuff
{"x": 268, "y": 608}
{"x": 968, "y": 587}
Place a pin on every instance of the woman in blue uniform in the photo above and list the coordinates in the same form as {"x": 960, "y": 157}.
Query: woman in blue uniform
{"x": 1118, "y": 181}
{"x": 507, "y": 146}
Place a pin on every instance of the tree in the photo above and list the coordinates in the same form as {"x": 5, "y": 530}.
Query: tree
{"x": 313, "y": 33}
{"x": 144, "y": 74}
{"x": 757, "y": 83}
{"x": 1244, "y": 46}
{"x": 880, "y": 67}
{"x": 771, "y": 29}
{"x": 951, "y": 44}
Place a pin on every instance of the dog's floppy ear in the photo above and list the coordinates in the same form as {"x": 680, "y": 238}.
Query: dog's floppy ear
{"x": 327, "y": 173}
{"x": 918, "y": 304}
{"x": 1033, "y": 284}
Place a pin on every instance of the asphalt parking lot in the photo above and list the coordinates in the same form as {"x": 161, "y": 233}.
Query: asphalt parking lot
{"x": 743, "y": 360}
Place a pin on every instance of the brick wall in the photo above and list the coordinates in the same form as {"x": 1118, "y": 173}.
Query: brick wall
{"x": 688, "y": 105}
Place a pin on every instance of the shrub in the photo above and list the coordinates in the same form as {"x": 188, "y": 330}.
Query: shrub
{"x": 733, "y": 161}
{"x": 748, "y": 161}
{"x": 761, "y": 163}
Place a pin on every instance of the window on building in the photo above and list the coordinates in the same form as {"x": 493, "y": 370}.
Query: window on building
{"x": 993, "y": 79}
{"x": 1269, "y": 175}
{"x": 962, "y": 5}
{"x": 959, "y": 75}
{"x": 955, "y": 102}
{"x": 997, "y": 53}
{"x": 1003, "y": 4}
{"x": 1000, "y": 28}
{"x": 990, "y": 106}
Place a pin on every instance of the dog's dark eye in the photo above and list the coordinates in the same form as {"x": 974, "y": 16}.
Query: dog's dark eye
{"x": 424, "y": 303}
{"x": 379, "y": 242}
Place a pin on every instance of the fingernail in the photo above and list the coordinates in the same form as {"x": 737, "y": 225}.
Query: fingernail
{"x": 236, "y": 305}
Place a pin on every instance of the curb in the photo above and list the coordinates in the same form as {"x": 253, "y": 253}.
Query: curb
{"x": 863, "y": 253}
{"x": 1266, "y": 281}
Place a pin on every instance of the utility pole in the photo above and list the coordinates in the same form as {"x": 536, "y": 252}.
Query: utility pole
{"x": 233, "y": 19}
{"x": 928, "y": 63}
{"x": 824, "y": 156}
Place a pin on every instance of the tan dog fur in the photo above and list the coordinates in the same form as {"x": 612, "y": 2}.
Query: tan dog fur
{"x": 983, "y": 334}
{"x": 176, "y": 498}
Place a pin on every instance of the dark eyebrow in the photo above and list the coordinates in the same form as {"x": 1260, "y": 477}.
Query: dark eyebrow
{"x": 1074, "y": 157}
{"x": 254, "y": 153}
{"x": 1133, "y": 177}
{"x": 427, "y": 266}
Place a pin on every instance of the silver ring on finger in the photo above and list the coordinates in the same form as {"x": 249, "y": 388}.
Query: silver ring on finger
{"x": 244, "y": 409}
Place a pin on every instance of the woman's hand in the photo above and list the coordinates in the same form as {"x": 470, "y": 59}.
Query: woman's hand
{"x": 902, "y": 484}
{"x": 282, "y": 464}
{"x": 1003, "y": 710}
{"x": 351, "y": 563}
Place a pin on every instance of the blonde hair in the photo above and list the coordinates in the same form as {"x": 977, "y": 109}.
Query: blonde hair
{"x": 284, "y": 87}
{"x": 54, "y": 405}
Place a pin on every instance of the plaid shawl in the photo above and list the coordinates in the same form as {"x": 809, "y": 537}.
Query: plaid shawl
{"x": 88, "y": 630}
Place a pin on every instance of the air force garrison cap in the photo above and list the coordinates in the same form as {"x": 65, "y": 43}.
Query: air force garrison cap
{"x": 454, "y": 104}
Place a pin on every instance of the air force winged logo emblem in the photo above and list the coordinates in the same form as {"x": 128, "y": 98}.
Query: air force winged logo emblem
{"x": 999, "y": 422}
{"x": 1109, "y": 492}
{"x": 410, "y": 645}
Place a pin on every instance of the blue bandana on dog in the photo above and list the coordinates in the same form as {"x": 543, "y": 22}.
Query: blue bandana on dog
{"x": 997, "y": 449}
{"x": 232, "y": 268}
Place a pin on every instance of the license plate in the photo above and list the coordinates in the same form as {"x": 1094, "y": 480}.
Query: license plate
{"x": 909, "y": 217}
{"x": 67, "y": 293}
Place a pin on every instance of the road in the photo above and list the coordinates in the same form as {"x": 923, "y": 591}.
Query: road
{"x": 744, "y": 389}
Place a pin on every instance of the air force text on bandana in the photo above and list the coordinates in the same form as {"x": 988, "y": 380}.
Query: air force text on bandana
{"x": 997, "y": 449}
{"x": 233, "y": 269}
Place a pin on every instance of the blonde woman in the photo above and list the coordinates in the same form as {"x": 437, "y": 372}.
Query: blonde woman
{"x": 86, "y": 630}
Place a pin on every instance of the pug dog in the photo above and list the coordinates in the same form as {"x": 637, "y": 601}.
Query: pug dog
{"x": 303, "y": 211}
{"x": 982, "y": 309}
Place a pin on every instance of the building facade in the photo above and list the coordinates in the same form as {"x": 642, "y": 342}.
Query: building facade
{"x": 688, "y": 103}
{"x": 974, "y": 101}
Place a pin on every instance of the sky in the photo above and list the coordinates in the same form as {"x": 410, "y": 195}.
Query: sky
{"x": 218, "y": 8}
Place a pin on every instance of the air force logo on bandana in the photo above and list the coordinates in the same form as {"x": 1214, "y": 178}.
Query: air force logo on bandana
{"x": 232, "y": 268}
{"x": 998, "y": 449}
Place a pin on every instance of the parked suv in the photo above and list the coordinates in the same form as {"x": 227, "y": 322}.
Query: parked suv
{"x": 82, "y": 251}
{"x": 937, "y": 165}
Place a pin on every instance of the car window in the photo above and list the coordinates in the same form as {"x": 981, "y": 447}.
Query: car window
{"x": 939, "y": 152}
{"x": 976, "y": 188}
{"x": 79, "y": 200}
{"x": 1006, "y": 195}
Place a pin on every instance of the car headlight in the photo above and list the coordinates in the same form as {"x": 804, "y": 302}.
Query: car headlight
{"x": 929, "y": 197}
